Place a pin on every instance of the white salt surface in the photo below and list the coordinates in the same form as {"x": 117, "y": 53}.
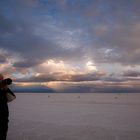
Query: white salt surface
{"x": 75, "y": 117}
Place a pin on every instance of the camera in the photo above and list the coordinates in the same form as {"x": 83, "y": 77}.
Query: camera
{"x": 5, "y": 82}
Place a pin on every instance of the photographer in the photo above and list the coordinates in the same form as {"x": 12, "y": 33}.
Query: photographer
{"x": 4, "y": 112}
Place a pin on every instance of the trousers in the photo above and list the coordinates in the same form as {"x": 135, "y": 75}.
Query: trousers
{"x": 4, "y": 114}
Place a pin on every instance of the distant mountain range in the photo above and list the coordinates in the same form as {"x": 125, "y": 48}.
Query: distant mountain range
{"x": 32, "y": 89}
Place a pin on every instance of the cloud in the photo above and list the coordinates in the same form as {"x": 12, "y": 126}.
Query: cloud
{"x": 61, "y": 77}
{"x": 7, "y": 58}
{"x": 131, "y": 73}
{"x": 3, "y": 59}
{"x": 70, "y": 40}
{"x": 59, "y": 71}
{"x": 26, "y": 64}
{"x": 49, "y": 35}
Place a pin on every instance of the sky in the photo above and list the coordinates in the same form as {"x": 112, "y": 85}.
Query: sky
{"x": 71, "y": 45}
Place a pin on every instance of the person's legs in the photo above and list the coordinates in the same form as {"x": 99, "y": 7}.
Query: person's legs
{"x": 3, "y": 128}
{"x": 4, "y": 114}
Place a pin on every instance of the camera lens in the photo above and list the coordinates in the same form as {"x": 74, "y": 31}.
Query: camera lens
{"x": 8, "y": 81}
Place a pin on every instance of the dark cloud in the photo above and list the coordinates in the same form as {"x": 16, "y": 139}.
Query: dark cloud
{"x": 131, "y": 73}
{"x": 116, "y": 43}
{"x": 3, "y": 59}
{"x": 114, "y": 79}
{"x": 5, "y": 25}
{"x": 5, "y": 56}
{"x": 63, "y": 77}
{"x": 26, "y": 64}
{"x": 34, "y": 31}
{"x": 22, "y": 30}
{"x": 19, "y": 33}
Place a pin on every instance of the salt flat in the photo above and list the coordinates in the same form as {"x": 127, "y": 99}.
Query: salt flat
{"x": 72, "y": 116}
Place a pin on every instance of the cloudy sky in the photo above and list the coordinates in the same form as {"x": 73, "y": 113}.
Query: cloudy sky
{"x": 71, "y": 45}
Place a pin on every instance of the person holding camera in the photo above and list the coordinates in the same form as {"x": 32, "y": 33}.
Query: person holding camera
{"x": 4, "y": 111}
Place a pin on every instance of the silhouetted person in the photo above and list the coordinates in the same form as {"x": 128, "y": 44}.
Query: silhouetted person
{"x": 4, "y": 112}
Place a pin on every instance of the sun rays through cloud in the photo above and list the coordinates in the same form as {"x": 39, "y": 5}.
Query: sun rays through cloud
{"x": 71, "y": 46}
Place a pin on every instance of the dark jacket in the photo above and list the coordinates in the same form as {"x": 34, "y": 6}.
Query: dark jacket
{"x": 3, "y": 104}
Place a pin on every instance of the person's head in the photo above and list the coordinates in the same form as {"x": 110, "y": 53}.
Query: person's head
{"x": 6, "y": 81}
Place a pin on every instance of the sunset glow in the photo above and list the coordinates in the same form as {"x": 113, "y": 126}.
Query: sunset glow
{"x": 71, "y": 46}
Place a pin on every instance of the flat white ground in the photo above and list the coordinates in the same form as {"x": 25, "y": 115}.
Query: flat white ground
{"x": 75, "y": 117}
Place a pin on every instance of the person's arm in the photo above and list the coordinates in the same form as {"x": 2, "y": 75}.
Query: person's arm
{"x": 9, "y": 91}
